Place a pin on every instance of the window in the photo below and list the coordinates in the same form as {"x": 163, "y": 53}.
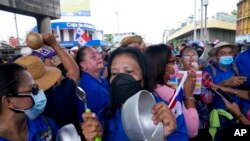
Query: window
{"x": 71, "y": 34}
{"x": 61, "y": 34}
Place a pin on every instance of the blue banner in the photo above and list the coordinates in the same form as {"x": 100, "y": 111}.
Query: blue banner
{"x": 72, "y": 25}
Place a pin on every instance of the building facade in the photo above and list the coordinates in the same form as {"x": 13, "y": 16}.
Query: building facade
{"x": 223, "y": 28}
{"x": 243, "y": 21}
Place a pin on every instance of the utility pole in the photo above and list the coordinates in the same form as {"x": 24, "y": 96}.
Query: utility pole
{"x": 201, "y": 30}
{"x": 194, "y": 20}
{"x": 17, "y": 34}
{"x": 205, "y": 3}
{"x": 118, "y": 23}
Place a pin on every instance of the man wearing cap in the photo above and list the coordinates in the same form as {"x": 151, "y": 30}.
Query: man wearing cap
{"x": 223, "y": 72}
{"x": 222, "y": 68}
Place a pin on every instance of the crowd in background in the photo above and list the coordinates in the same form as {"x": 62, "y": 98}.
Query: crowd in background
{"x": 38, "y": 90}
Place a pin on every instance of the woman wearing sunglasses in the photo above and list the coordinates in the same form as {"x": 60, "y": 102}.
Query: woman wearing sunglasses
{"x": 163, "y": 68}
{"x": 21, "y": 104}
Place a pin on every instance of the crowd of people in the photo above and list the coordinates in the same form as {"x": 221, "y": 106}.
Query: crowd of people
{"x": 38, "y": 92}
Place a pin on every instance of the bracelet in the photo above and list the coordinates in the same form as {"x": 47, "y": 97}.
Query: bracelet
{"x": 190, "y": 98}
{"x": 59, "y": 49}
{"x": 240, "y": 116}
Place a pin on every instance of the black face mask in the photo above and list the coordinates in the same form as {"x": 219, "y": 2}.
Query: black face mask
{"x": 123, "y": 87}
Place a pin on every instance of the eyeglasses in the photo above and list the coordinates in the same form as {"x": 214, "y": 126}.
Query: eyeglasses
{"x": 188, "y": 58}
{"x": 34, "y": 90}
{"x": 171, "y": 62}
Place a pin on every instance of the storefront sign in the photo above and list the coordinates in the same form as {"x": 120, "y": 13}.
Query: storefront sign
{"x": 66, "y": 25}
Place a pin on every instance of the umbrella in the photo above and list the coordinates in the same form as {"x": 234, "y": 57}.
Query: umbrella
{"x": 97, "y": 43}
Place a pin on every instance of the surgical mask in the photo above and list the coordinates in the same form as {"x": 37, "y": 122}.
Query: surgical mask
{"x": 38, "y": 107}
{"x": 226, "y": 60}
{"x": 176, "y": 72}
{"x": 123, "y": 87}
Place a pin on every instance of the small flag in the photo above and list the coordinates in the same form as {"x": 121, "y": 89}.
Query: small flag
{"x": 81, "y": 36}
{"x": 79, "y": 33}
{"x": 85, "y": 37}
{"x": 175, "y": 103}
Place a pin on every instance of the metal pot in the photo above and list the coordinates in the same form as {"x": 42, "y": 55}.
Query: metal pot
{"x": 137, "y": 118}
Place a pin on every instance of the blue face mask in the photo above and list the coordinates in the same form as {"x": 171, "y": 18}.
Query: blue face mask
{"x": 38, "y": 107}
{"x": 226, "y": 60}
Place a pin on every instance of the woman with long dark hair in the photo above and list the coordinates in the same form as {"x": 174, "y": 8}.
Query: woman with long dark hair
{"x": 162, "y": 65}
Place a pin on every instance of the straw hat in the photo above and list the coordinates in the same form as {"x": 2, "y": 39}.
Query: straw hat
{"x": 131, "y": 39}
{"x": 219, "y": 46}
{"x": 44, "y": 76}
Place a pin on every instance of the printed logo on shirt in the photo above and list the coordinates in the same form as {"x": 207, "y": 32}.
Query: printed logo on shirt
{"x": 44, "y": 136}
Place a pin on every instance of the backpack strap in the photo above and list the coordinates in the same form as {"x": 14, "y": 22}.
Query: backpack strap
{"x": 213, "y": 69}
{"x": 236, "y": 69}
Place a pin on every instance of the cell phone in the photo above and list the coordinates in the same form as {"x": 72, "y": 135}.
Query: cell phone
{"x": 224, "y": 95}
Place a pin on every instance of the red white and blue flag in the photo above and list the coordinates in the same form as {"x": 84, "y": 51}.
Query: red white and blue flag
{"x": 175, "y": 103}
{"x": 81, "y": 36}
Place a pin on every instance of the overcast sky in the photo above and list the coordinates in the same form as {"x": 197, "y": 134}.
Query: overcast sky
{"x": 145, "y": 17}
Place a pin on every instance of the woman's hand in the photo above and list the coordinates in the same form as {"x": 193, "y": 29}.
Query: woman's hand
{"x": 49, "y": 39}
{"x": 163, "y": 114}
{"x": 189, "y": 83}
{"x": 235, "y": 81}
{"x": 232, "y": 107}
{"x": 91, "y": 127}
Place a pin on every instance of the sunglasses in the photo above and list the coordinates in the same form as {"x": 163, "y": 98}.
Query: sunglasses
{"x": 34, "y": 90}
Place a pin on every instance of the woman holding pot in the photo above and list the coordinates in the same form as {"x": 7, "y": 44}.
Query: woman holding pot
{"x": 127, "y": 72}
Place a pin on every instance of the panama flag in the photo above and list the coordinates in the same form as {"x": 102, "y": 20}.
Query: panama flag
{"x": 175, "y": 103}
{"x": 81, "y": 36}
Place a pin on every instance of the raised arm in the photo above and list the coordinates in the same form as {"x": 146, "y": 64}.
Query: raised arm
{"x": 244, "y": 94}
{"x": 67, "y": 61}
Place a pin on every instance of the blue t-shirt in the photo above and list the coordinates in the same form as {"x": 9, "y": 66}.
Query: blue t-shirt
{"x": 61, "y": 103}
{"x": 243, "y": 63}
{"x": 218, "y": 78}
{"x": 97, "y": 94}
{"x": 38, "y": 129}
{"x": 116, "y": 133}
